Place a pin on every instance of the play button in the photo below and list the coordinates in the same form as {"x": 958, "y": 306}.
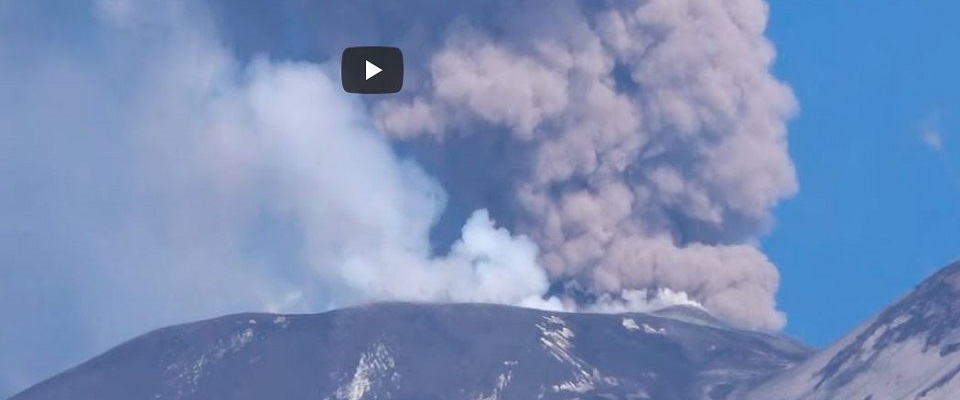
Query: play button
{"x": 371, "y": 69}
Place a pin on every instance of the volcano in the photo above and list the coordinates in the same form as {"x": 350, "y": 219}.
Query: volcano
{"x": 420, "y": 351}
{"x": 910, "y": 350}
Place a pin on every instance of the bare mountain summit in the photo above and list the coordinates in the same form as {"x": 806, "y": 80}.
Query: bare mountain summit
{"x": 410, "y": 351}
{"x": 909, "y": 351}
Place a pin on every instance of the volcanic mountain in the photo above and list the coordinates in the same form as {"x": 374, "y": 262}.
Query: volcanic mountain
{"x": 910, "y": 350}
{"x": 419, "y": 351}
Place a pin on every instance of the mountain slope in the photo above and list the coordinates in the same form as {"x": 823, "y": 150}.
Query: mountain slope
{"x": 908, "y": 351}
{"x": 409, "y": 351}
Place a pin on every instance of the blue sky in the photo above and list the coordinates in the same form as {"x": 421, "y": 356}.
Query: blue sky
{"x": 878, "y": 209}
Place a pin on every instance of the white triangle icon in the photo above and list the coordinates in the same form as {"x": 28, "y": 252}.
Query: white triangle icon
{"x": 372, "y": 70}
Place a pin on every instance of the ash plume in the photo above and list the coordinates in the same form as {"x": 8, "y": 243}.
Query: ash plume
{"x": 655, "y": 134}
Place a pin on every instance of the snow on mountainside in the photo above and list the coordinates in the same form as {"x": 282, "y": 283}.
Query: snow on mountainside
{"x": 909, "y": 351}
{"x": 410, "y": 351}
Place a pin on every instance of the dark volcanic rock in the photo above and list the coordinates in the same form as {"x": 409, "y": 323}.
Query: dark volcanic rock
{"x": 410, "y": 351}
{"x": 908, "y": 351}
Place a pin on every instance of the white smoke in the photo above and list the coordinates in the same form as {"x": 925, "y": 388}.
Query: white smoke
{"x": 642, "y": 301}
{"x": 187, "y": 184}
{"x": 283, "y": 137}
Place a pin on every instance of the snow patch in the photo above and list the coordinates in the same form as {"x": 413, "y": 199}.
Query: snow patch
{"x": 183, "y": 377}
{"x": 556, "y": 339}
{"x": 502, "y": 381}
{"x": 282, "y": 321}
{"x": 374, "y": 371}
{"x": 631, "y": 325}
{"x": 653, "y": 331}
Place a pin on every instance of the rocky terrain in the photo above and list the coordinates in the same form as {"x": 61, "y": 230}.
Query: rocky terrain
{"x": 413, "y": 351}
{"x": 909, "y": 351}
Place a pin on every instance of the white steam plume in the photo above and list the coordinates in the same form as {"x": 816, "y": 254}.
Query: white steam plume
{"x": 281, "y": 140}
{"x": 157, "y": 179}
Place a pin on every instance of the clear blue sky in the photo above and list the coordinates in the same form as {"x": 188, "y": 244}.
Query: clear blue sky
{"x": 878, "y": 208}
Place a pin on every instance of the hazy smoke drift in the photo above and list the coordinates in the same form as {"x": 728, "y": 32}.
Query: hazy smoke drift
{"x": 658, "y": 137}
{"x": 287, "y": 136}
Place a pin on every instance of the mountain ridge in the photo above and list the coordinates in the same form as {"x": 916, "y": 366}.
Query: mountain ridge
{"x": 409, "y": 350}
{"x": 908, "y": 350}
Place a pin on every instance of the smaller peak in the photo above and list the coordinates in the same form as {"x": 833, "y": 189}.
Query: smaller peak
{"x": 949, "y": 274}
